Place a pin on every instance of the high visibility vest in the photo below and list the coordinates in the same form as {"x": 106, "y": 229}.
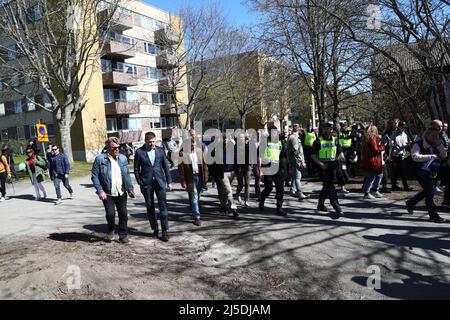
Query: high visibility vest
{"x": 345, "y": 140}
{"x": 272, "y": 152}
{"x": 310, "y": 138}
{"x": 328, "y": 149}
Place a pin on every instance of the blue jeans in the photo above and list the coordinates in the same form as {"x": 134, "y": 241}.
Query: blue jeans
{"x": 372, "y": 179}
{"x": 296, "y": 176}
{"x": 195, "y": 195}
{"x": 57, "y": 184}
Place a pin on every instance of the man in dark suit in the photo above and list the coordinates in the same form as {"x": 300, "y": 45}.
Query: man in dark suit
{"x": 151, "y": 169}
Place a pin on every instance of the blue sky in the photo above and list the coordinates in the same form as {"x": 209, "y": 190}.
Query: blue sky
{"x": 235, "y": 9}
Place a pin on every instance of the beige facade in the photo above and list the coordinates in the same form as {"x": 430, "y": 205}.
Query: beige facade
{"x": 128, "y": 96}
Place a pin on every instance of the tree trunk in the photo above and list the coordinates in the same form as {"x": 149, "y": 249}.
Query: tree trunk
{"x": 66, "y": 140}
{"x": 243, "y": 121}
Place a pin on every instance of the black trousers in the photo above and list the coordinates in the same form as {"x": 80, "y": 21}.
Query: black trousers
{"x": 119, "y": 203}
{"x": 427, "y": 193}
{"x": 278, "y": 178}
{"x": 3, "y": 177}
{"x": 398, "y": 169}
{"x": 149, "y": 196}
{"x": 328, "y": 190}
{"x": 310, "y": 164}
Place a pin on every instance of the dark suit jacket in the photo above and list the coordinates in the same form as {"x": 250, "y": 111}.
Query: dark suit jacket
{"x": 145, "y": 173}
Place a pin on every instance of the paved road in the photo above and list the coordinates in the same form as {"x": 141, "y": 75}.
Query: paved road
{"x": 318, "y": 256}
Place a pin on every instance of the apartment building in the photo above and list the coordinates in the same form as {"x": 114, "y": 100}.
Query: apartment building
{"x": 129, "y": 96}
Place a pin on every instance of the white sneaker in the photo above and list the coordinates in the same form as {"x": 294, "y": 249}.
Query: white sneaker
{"x": 2, "y": 199}
{"x": 378, "y": 195}
{"x": 438, "y": 190}
{"x": 58, "y": 202}
{"x": 369, "y": 196}
{"x": 247, "y": 204}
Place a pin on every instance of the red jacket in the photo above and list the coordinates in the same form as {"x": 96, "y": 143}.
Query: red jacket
{"x": 372, "y": 156}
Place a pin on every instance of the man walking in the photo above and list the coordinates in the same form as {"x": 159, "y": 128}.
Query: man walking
{"x": 151, "y": 169}
{"x": 399, "y": 142}
{"x": 296, "y": 162}
{"x": 326, "y": 153}
{"x": 59, "y": 171}
{"x": 271, "y": 163}
{"x": 112, "y": 181}
{"x": 193, "y": 176}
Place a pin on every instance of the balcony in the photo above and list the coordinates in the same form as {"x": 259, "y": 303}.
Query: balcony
{"x": 166, "y": 60}
{"x": 164, "y": 85}
{"x": 122, "y": 108}
{"x": 118, "y": 78}
{"x": 115, "y": 49}
{"x": 121, "y": 20}
{"x": 167, "y": 37}
{"x": 168, "y": 109}
{"x": 126, "y": 136}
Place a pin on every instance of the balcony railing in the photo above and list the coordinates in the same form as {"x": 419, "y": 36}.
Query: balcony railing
{"x": 167, "y": 36}
{"x": 116, "y": 49}
{"x": 119, "y": 78}
{"x": 122, "y": 108}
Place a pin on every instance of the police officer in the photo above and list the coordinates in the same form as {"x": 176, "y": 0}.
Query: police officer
{"x": 273, "y": 170}
{"x": 326, "y": 154}
{"x": 308, "y": 138}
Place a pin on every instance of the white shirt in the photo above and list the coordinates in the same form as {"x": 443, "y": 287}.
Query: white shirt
{"x": 399, "y": 141}
{"x": 116, "y": 178}
{"x": 151, "y": 155}
{"x": 194, "y": 161}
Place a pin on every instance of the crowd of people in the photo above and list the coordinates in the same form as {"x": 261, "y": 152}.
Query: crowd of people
{"x": 275, "y": 157}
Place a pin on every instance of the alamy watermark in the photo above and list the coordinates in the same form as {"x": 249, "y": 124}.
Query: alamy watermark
{"x": 73, "y": 274}
{"x": 374, "y": 17}
{"x": 374, "y": 280}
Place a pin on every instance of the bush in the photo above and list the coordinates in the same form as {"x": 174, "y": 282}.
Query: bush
{"x": 17, "y": 146}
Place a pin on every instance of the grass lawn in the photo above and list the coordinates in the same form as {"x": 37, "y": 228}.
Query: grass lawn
{"x": 80, "y": 168}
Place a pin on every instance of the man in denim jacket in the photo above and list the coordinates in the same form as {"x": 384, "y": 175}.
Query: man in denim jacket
{"x": 112, "y": 181}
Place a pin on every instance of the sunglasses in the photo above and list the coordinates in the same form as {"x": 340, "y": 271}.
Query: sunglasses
{"x": 115, "y": 148}
{"x": 55, "y": 149}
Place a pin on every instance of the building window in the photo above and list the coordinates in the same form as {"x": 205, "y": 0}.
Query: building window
{"x": 2, "y": 109}
{"x": 111, "y": 125}
{"x": 161, "y": 98}
{"x": 106, "y": 65}
{"x": 155, "y": 123}
{"x": 15, "y": 81}
{"x": 107, "y": 95}
{"x": 155, "y": 74}
{"x": 4, "y": 134}
{"x": 131, "y": 124}
{"x": 148, "y": 23}
{"x": 50, "y": 129}
{"x": 126, "y": 68}
{"x": 18, "y": 106}
{"x": 31, "y": 105}
{"x": 150, "y": 48}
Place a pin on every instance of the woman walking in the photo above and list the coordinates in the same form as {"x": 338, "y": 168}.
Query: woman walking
{"x": 36, "y": 167}
{"x": 372, "y": 163}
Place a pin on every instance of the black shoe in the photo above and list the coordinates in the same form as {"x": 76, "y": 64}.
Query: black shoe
{"x": 409, "y": 207}
{"x": 437, "y": 219}
{"x": 408, "y": 189}
{"x": 165, "y": 236}
{"x": 396, "y": 188}
{"x": 235, "y": 213}
{"x": 124, "y": 240}
{"x": 322, "y": 209}
{"x": 281, "y": 212}
{"x": 223, "y": 210}
{"x": 261, "y": 206}
{"x": 156, "y": 233}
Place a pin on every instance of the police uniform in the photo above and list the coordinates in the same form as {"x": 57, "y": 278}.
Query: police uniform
{"x": 327, "y": 151}
{"x": 272, "y": 155}
{"x": 308, "y": 143}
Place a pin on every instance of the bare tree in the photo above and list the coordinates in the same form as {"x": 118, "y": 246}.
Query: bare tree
{"x": 201, "y": 37}
{"x": 55, "y": 44}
